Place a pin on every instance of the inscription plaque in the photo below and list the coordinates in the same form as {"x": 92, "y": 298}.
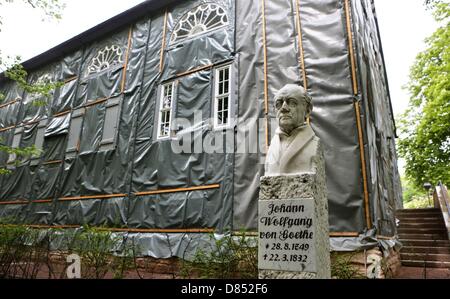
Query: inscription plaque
{"x": 287, "y": 235}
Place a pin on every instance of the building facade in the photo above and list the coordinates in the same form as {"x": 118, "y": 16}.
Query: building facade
{"x": 166, "y": 111}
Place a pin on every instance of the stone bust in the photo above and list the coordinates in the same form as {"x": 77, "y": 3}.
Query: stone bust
{"x": 295, "y": 144}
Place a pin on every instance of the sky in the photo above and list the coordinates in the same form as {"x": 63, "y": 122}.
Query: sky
{"x": 404, "y": 25}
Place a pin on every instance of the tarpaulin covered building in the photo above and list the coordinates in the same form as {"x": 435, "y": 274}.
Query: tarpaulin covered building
{"x": 126, "y": 140}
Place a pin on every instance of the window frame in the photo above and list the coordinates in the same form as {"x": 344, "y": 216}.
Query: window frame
{"x": 185, "y": 18}
{"x": 42, "y": 125}
{"x": 111, "y": 143}
{"x": 161, "y": 108}
{"x": 119, "y": 64}
{"x": 78, "y": 113}
{"x": 12, "y": 157}
{"x": 217, "y": 96}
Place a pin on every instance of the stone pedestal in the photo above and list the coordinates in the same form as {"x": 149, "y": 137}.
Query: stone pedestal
{"x": 293, "y": 226}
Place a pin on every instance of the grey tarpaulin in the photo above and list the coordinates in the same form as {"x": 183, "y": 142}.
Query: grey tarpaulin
{"x": 145, "y": 244}
{"x": 103, "y": 165}
{"x": 365, "y": 241}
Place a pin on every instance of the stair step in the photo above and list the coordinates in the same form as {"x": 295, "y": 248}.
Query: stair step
{"x": 401, "y": 230}
{"x": 434, "y": 243}
{"x": 426, "y": 210}
{"x": 422, "y": 220}
{"x": 429, "y": 264}
{"x": 427, "y": 257}
{"x": 421, "y": 225}
{"x": 419, "y": 215}
{"x": 423, "y": 236}
{"x": 425, "y": 249}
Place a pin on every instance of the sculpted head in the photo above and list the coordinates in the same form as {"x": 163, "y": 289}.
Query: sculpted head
{"x": 293, "y": 106}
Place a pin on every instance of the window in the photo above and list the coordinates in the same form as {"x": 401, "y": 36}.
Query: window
{"x": 222, "y": 97}
{"x": 15, "y": 144}
{"x": 95, "y": 128}
{"x": 105, "y": 58}
{"x": 203, "y": 18}
{"x": 58, "y": 126}
{"x": 102, "y": 77}
{"x": 39, "y": 140}
{"x": 64, "y": 96}
{"x": 110, "y": 127}
{"x": 165, "y": 110}
{"x": 74, "y": 132}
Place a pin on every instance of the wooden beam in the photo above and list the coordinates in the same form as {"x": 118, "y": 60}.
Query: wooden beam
{"x": 70, "y": 79}
{"x": 163, "y": 191}
{"x": 43, "y": 201}
{"x": 362, "y": 154}
{"x": 108, "y": 196}
{"x": 62, "y": 113}
{"x": 344, "y": 234}
{"x": 9, "y": 103}
{"x": 163, "y": 46}
{"x": 205, "y": 67}
{"x": 266, "y": 79}
{"x": 7, "y": 129}
{"x": 52, "y": 162}
{"x": 159, "y": 231}
{"x": 37, "y": 226}
{"x": 300, "y": 47}
{"x": 20, "y": 202}
{"x": 125, "y": 65}
{"x": 96, "y": 102}
{"x": 350, "y": 47}
{"x": 129, "y": 230}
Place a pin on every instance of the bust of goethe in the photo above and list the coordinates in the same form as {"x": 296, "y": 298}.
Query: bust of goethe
{"x": 295, "y": 145}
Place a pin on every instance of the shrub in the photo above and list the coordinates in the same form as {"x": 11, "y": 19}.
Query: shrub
{"x": 227, "y": 257}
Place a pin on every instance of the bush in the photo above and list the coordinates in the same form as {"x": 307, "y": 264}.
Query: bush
{"x": 227, "y": 257}
{"x": 23, "y": 252}
{"x": 96, "y": 248}
{"x": 342, "y": 267}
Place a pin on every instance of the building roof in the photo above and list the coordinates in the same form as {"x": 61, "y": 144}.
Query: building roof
{"x": 113, "y": 24}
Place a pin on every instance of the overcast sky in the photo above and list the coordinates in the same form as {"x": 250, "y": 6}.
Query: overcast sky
{"x": 404, "y": 24}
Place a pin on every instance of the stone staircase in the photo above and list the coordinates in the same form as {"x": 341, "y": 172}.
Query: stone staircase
{"x": 424, "y": 237}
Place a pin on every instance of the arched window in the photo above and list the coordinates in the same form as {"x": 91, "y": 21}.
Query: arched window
{"x": 203, "y": 18}
{"x": 107, "y": 57}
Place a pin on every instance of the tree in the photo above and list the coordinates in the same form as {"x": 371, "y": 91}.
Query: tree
{"x": 431, "y": 4}
{"x": 50, "y": 8}
{"x": 425, "y": 126}
{"x": 13, "y": 70}
{"x": 413, "y": 196}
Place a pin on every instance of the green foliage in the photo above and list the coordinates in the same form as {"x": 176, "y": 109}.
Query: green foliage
{"x": 388, "y": 272}
{"x": 96, "y": 248}
{"x": 415, "y": 197}
{"x": 419, "y": 203}
{"x": 16, "y": 72}
{"x": 431, "y": 4}
{"x": 51, "y": 9}
{"x": 412, "y": 194}
{"x": 21, "y": 154}
{"x": 425, "y": 126}
{"x": 23, "y": 252}
{"x": 228, "y": 257}
{"x": 342, "y": 267}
